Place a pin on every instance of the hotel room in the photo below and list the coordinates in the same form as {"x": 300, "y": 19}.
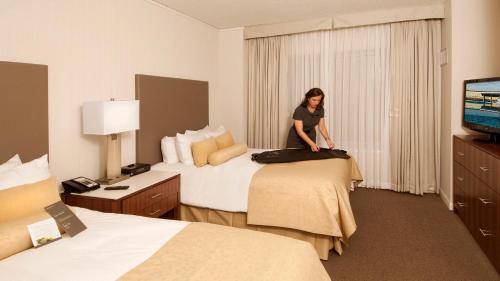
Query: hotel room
{"x": 393, "y": 173}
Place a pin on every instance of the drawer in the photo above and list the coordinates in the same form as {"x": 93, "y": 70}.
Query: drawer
{"x": 154, "y": 201}
{"x": 459, "y": 175}
{"x": 459, "y": 152}
{"x": 459, "y": 204}
{"x": 485, "y": 167}
{"x": 486, "y": 212}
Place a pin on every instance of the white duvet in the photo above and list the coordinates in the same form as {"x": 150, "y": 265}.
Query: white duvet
{"x": 223, "y": 187}
{"x": 111, "y": 246}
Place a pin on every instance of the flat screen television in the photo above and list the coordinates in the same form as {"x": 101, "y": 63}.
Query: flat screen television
{"x": 482, "y": 106}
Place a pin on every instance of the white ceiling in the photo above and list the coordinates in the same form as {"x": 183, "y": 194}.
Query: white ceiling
{"x": 238, "y": 13}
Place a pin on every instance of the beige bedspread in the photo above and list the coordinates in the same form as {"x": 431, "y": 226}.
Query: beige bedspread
{"x": 212, "y": 252}
{"x": 312, "y": 196}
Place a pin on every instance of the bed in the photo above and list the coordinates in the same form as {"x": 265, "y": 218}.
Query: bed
{"x": 116, "y": 246}
{"x": 230, "y": 194}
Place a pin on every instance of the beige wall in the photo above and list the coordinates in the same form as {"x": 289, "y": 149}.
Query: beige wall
{"x": 230, "y": 103}
{"x": 473, "y": 41}
{"x": 93, "y": 49}
{"x": 446, "y": 101}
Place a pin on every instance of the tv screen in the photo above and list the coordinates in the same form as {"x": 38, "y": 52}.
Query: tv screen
{"x": 482, "y": 105}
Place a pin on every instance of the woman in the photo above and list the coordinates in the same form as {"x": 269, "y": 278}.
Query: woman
{"x": 307, "y": 116}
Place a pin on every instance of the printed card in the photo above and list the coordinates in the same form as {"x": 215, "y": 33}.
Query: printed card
{"x": 44, "y": 232}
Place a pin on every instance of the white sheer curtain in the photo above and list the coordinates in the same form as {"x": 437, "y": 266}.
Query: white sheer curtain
{"x": 352, "y": 68}
{"x": 363, "y": 71}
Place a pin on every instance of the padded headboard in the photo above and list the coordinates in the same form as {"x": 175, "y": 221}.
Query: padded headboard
{"x": 167, "y": 106}
{"x": 24, "y": 122}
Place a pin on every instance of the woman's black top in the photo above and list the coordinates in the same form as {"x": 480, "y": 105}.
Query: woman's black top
{"x": 309, "y": 121}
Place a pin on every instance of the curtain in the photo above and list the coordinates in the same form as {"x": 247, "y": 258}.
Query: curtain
{"x": 265, "y": 83}
{"x": 415, "y": 106}
{"x": 358, "y": 71}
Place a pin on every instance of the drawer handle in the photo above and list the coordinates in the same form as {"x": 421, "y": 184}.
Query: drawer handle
{"x": 156, "y": 195}
{"x": 460, "y": 153}
{"x": 485, "y": 232}
{"x": 460, "y": 179}
{"x": 483, "y": 168}
{"x": 155, "y": 212}
{"x": 485, "y": 201}
{"x": 460, "y": 204}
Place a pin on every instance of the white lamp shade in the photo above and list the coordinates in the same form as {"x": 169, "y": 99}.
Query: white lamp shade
{"x": 110, "y": 117}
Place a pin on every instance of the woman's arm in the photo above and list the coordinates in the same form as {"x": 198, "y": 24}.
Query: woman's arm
{"x": 324, "y": 133}
{"x": 300, "y": 131}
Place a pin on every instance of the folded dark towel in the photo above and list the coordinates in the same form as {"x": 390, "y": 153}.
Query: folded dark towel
{"x": 294, "y": 155}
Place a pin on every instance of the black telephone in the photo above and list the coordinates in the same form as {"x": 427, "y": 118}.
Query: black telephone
{"x": 79, "y": 185}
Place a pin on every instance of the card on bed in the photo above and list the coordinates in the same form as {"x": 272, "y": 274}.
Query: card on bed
{"x": 66, "y": 218}
{"x": 44, "y": 232}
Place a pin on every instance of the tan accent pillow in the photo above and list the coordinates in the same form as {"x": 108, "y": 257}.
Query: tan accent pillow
{"x": 14, "y": 235}
{"x": 25, "y": 200}
{"x": 202, "y": 149}
{"x": 224, "y": 140}
{"x": 225, "y": 154}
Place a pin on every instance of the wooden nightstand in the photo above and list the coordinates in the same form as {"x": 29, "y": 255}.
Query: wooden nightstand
{"x": 151, "y": 194}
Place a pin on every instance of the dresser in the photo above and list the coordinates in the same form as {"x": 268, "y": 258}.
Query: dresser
{"x": 151, "y": 194}
{"x": 476, "y": 191}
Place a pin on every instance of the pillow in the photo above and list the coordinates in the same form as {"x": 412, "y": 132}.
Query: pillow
{"x": 219, "y": 131}
{"x": 30, "y": 172}
{"x": 14, "y": 235}
{"x": 225, "y": 154}
{"x": 224, "y": 140}
{"x": 24, "y": 200}
{"x": 168, "y": 150}
{"x": 183, "y": 146}
{"x": 202, "y": 131}
{"x": 11, "y": 163}
{"x": 202, "y": 149}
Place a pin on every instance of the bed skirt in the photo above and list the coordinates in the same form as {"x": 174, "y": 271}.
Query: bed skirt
{"x": 322, "y": 243}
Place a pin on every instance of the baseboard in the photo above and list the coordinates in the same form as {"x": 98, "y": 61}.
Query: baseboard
{"x": 446, "y": 200}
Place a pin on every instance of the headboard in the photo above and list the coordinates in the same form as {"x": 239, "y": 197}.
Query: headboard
{"x": 167, "y": 106}
{"x": 24, "y": 122}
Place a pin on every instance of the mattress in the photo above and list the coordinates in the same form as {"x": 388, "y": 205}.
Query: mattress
{"x": 223, "y": 187}
{"x": 111, "y": 246}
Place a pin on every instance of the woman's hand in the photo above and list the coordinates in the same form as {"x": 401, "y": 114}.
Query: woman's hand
{"x": 314, "y": 147}
{"x": 330, "y": 143}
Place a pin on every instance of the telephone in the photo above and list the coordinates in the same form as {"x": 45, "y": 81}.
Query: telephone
{"x": 79, "y": 185}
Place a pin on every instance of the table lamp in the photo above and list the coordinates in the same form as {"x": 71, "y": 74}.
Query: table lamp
{"x": 111, "y": 118}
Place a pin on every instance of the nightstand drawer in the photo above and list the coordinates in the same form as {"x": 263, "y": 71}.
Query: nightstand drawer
{"x": 154, "y": 201}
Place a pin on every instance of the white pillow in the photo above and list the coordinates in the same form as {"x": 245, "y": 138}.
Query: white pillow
{"x": 11, "y": 163}
{"x": 204, "y": 131}
{"x": 183, "y": 145}
{"x": 168, "y": 150}
{"x": 33, "y": 171}
{"x": 219, "y": 131}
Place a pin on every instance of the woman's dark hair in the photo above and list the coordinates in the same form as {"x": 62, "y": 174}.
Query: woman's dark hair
{"x": 314, "y": 92}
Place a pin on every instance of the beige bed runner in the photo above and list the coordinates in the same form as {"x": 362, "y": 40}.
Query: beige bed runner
{"x": 206, "y": 252}
{"x": 312, "y": 196}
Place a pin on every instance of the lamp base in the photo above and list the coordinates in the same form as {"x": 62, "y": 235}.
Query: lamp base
{"x": 106, "y": 181}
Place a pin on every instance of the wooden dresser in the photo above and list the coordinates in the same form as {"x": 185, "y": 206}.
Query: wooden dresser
{"x": 476, "y": 191}
{"x": 151, "y": 194}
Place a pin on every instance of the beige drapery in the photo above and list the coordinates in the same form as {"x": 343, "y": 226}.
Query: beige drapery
{"x": 267, "y": 85}
{"x": 415, "y": 106}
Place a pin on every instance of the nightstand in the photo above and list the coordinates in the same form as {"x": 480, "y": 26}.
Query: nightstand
{"x": 151, "y": 194}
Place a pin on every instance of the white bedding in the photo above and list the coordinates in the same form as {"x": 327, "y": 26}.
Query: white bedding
{"x": 223, "y": 187}
{"x": 111, "y": 245}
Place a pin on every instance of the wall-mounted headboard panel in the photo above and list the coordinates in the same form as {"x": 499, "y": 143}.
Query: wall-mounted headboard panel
{"x": 167, "y": 106}
{"x": 24, "y": 122}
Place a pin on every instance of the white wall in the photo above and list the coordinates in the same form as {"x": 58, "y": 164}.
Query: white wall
{"x": 473, "y": 54}
{"x": 230, "y": 103}
{"x": 93, "y": 50}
